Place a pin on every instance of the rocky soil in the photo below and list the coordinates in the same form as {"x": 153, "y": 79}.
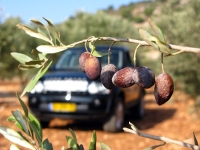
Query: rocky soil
{"x": 172, "y": 120}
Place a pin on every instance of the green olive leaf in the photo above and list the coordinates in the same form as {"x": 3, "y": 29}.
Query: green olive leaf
{"x": 155, "y": 42}
{"x": 38, "y": 55}
{"x": 33, "y": 33}
{"x": 96, "y": 53}
{"x": 49, "y": 49}
{"x": 157, "y": 31}
{"x": 162, "y": 47}
{"x": 19, "y": 118}
{"x": 13, "y": 119}
{"x": 92, "y": 47}
{"x": 28, "y": 67}
{"x": 34, "y": 62}
{"x": 42, "y": 25}
{"x": 42, "y": 32}
{"x": 73, "y": 134}
{"x": 104, "y": 146}
{"x": 22, "y": 58}
{"x": 52, "y": 30}
{"x": 35, "y": 53}
{"x": 36, "y": 127}
{"x": 14, "y": 147}
{"x": 146, "y": 36}
{"x": 47, "y": 145}
{"x": 42, "y": 56}
{"x": 72, "y": 143}
{"x": 37, "y": 22}
{"x": 99, "y": 54}
{"x": 25, "y": 109}
{"x": 49, "y": 22}
{"x": 92, "y": 145}
{"x": 35, "y": 79}
{"x": 15, "y": 137}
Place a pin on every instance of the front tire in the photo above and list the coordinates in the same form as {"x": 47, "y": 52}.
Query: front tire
{"x": 44, "y": 124}
{"x": 115, "y": 121}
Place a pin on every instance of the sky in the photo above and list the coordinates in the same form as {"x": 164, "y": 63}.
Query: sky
{"x": 56, "y": 11}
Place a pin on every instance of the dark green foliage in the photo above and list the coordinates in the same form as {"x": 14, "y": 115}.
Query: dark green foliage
{"x": 47, "y": 145}
{"x": 174, "y": 2}
{"x": 13, "y": 40}
{"x": 92, "y": 145}
{"x": 30, "y": 127}
{"x": 126, "y": 13}
{"x": 184, "y": 70}
{"x": 161, "y": 0}
{"x": 83, "y": 25}
{"x": 181, "y": 29}
{"x": 138, "y": 19}
{"x": 149, "y": 11}
{"x": 73, "y": 143}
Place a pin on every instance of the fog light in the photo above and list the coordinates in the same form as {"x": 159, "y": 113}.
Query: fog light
{"x": 97, "y": 102}
{"x": 33, "y": 100}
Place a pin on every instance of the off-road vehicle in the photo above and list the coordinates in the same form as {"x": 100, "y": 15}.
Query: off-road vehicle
{"x": 66, "y": 92}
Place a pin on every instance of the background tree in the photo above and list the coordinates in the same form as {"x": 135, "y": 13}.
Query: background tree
{"x": 181, "y": 29}
{"x": 13, "y": 40}
{"x": 83, "y": 25}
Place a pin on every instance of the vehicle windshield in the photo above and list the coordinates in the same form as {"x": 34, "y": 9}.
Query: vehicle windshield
{"x": 70, "y": 59}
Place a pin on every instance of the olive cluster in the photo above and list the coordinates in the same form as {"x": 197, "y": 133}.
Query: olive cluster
{"x": 142, "y": 76}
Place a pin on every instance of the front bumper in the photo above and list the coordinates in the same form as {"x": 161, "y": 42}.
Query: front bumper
{"x": 47, "y": 116}
{"x": 87, "y": 107}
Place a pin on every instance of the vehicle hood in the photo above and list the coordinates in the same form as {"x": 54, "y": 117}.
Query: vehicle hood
{"x": 65, "y": 81}
{"x": 65, "y": 74}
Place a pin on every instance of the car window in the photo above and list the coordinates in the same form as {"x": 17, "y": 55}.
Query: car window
{"x": 128, "y": 59}
{"x": 70, "y": 59}
{"x": 116, "y": 58}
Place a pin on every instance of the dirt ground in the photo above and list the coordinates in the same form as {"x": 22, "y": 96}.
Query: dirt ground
{"x": 171, "y": 120}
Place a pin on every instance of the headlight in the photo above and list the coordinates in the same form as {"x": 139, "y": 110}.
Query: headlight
{"x": 96, "y": 87}
{"x": 39, "y": 87}
{"x": 68, "y": 84}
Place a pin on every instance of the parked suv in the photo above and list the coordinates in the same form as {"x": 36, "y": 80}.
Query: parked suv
{"x": 66, "y": 92}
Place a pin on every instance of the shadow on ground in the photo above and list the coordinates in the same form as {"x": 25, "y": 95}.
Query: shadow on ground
{"x": 152, "y": 117}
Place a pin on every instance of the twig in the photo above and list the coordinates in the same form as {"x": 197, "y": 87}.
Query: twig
{"x": 142, "y": 43}
{"x": 159, "y": 138}
{"x": 134, "y": 58}
{"x": 162, "y": 64}
{"x": 109, "y": 51}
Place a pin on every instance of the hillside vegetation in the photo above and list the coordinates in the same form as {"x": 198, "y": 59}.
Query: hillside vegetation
{"x": 180, "y": 22}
